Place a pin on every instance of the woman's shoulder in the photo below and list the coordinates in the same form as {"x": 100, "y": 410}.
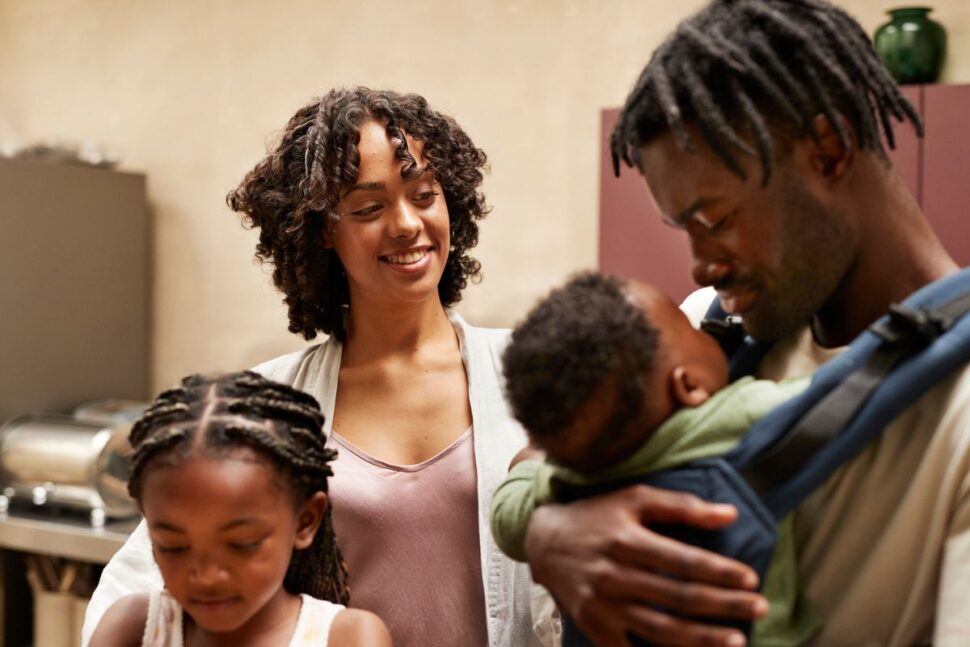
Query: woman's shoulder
{"x": 287, "y": 368}
{"x": 123, "y": 624}
{"x": 494, "y": 338}
{"x": 358, "y": 628}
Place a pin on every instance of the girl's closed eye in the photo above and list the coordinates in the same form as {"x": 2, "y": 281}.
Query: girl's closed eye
{"x": 246, "y": 546}
{"x": 172, "y": 549}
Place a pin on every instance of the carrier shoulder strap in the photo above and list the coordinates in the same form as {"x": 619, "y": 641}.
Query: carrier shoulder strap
{"x": 796, "y": 447}
{"x": 906, "y": 332}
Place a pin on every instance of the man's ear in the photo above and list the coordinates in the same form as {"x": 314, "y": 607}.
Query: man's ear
{"x": 687, "y": 390}
{"x": 830, "y": 157}
{"x": 308, "y": 519}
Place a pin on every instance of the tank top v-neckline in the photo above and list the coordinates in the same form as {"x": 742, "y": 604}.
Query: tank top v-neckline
{"x": 416, "y": 467}
{"x": 408, "y": 533}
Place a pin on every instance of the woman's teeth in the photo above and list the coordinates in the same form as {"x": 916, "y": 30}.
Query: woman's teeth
{"x": 406, "y": 259}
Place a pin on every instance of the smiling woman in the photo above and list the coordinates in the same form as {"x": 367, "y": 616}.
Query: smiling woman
{"x": 392, "y": 227}
{"x": 367, "y": 209}
{"x": 339, "y": 159}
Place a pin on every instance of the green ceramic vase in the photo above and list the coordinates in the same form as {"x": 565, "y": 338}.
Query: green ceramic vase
{"x": 912, "y": 45}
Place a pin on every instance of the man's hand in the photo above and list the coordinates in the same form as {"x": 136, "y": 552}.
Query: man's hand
{"x": 603, "y": 567}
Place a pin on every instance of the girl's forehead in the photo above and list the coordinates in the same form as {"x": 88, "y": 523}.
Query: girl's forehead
{"x": 205, "y": 486}
{"x": 227, "y": 459}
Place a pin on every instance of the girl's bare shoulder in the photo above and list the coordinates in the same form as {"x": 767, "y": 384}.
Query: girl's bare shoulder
{"x": 358, "y": 628}
{"x": 123, "y": 624}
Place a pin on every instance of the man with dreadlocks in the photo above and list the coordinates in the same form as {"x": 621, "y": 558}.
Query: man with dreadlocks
{"x": 758, "y": 126}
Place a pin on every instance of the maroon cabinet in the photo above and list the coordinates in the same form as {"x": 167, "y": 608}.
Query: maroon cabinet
{"x": 945, "y": 170}
{"x": 634, "y": 242}
{"x": 906, "y": 156}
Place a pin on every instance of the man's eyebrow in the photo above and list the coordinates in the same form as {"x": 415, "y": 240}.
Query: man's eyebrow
{"x": 681, "y": 219}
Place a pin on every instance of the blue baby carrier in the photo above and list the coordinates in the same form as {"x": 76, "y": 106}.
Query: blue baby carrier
{"x": 790, "y": 452}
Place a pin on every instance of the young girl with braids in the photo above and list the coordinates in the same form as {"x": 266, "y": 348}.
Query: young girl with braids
{"x": 367, "y": 209}
{"x": 231, "y": 475}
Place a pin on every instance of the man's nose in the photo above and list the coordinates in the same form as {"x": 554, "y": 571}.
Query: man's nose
{"x": 709, "y": 264}
{"x": 705, "y": 272}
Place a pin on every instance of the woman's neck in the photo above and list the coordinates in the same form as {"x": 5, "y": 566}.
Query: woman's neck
{"x": 380, "y": 331}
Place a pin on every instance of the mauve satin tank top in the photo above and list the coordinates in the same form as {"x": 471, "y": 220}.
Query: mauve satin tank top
{"x": 409, "y": 534}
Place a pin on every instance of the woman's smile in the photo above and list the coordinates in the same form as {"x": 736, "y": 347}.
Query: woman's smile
{"x": 400, "y": 219}
{"x": 410, "y": 261}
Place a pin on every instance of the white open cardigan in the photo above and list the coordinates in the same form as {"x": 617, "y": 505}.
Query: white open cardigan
{"x": 518, "y": 612}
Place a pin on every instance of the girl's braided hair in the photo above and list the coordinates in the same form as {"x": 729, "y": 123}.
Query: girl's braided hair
{"x": 210, "y": 413}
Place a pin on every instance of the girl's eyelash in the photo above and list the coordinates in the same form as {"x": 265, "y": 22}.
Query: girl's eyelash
{"x": 247, "y": 546}
{"x": 175, "y": 550}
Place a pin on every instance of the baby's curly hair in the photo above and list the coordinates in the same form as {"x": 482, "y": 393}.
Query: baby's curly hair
{"x": 569, "y": 344}
{"x": 292, "y": 194}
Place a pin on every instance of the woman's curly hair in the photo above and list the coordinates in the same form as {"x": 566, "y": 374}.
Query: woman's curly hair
{"x": 292, "y": 195}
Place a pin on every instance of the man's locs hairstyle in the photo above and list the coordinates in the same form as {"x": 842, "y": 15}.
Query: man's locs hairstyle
{"x": 216, "y": 415}
{"x": 746, "y": 67}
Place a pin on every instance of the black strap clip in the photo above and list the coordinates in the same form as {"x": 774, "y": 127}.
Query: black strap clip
{"x": 918, "y": 325}
{"x": 729, "y": 332}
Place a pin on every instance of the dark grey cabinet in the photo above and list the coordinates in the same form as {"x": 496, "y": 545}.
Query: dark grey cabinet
{"x": 74, "y": 286}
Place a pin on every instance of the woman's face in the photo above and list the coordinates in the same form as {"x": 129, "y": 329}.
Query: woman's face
{"x": 392, "y": 235}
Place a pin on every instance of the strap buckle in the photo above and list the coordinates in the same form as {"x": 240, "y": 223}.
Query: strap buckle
{"x": 729, "y": 332}
{"x": 921, "y": 325}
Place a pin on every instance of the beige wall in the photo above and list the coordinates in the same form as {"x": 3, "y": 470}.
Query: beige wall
{"x": 189, "y": 92}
